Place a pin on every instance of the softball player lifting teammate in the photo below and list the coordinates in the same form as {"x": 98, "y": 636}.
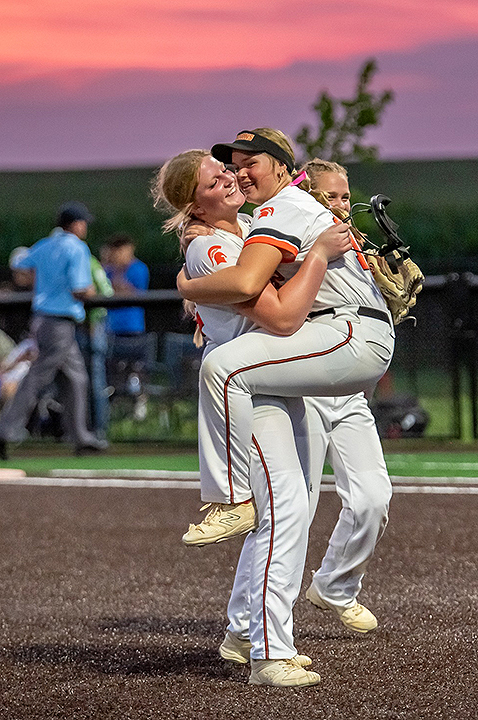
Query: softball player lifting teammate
{"x": 195, "y": 183}
{"x": 344, "y": 349}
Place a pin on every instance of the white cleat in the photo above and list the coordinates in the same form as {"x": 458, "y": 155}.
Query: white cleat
{"x": 235, "y": 649}
{"x": 357, "y": 617}
{"x": 221, "y": 523}
{"x": 238, "y": 650}
{"x": 281, "y": 673}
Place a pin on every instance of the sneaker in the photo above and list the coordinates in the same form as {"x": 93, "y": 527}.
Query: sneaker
{"x": 221, "y": 523}
{"x": 235, "y": 649}
{"x": 238, "y": 650}
{"x": 281, "y": 673}
{"x": 357, "y": 617}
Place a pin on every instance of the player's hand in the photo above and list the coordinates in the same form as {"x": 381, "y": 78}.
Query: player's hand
{"x": 333, "y": 242}
{"x": 192, "y": 230}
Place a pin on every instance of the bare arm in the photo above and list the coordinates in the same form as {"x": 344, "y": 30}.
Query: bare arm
{"x": 84, "y": 293}
{"x": 284, "y": 311}
{"x": 120, "y": 285}
{"x": 255, "y": 266}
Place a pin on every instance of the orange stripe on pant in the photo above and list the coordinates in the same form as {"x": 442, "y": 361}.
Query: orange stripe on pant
{"x": 271, "y": 546}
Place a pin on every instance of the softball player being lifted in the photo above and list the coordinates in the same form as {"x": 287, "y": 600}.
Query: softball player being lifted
{"x": 196, "y": 184}
{"x": 345, "y": 349}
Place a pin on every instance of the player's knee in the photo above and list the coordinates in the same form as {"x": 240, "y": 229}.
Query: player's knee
{"x": 208, "y": 371}
{"x": 373, "y": 506}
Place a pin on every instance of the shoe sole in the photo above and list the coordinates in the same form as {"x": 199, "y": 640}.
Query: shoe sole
{"x": 322, "y": 606}
{"x": 253, "y": 681}
{"x": 214, "y": 541}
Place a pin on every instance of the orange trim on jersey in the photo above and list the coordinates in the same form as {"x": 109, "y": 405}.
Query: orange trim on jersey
{"x": 281, "y": 361}
{"x": 281, "y": 245}
{"x": 271, "y": 546}
{"x": 360, "y": 256}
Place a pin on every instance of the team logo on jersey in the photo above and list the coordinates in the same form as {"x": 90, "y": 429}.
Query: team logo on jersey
{"x": 266, "y": 212}
{"x": 215, "y": 255}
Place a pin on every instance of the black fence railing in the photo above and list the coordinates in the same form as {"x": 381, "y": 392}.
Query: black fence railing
{"x": 430, "y": 389}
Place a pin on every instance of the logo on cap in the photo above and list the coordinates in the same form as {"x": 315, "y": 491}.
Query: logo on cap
{"x": 216, "y": 255}
{"x": 246, "y": 136}
{"x": 265, "y": 212}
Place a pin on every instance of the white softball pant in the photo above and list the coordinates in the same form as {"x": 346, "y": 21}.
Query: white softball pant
{"x": 271, "y": 565}
{"x": 329, "y": 356}
{"x": 344, "y": 429}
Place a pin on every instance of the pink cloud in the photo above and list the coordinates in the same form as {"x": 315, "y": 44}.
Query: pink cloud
{"x": 214, "y": 34}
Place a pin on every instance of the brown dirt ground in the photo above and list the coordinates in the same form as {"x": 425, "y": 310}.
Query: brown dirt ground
{"x": 105, "y": 615}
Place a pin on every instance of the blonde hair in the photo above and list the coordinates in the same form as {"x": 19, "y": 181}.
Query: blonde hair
{"x": 280, "y": 139}
{"x": 315, "y": 167}
{"x": 174, "y": 186}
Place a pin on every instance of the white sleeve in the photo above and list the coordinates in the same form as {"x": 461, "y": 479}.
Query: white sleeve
{"x": 208, "y": 253}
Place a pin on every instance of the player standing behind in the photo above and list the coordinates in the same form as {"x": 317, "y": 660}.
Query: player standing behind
{"x": 199, "y": 186}
{"x": 354, "y": 451}
{"x": 345, "y": 349}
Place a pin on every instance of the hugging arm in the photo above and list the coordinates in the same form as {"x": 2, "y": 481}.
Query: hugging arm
{"x": 256, "y": 265}
{"x": 284, "y": 311}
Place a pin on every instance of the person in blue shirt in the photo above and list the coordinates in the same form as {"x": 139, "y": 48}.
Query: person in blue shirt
{"x": 126, "y": 328}
{"x": 62, "y": 272}
{"x": 128, "y": 276}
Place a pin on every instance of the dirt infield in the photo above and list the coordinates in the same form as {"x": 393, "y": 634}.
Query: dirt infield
{"x": 104, "y": 614}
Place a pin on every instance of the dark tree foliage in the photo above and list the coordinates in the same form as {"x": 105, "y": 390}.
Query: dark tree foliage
{"x": 342, "y": 124}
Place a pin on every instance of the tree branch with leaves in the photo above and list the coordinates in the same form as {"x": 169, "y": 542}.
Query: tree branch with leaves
{"x": 342, "y": 124}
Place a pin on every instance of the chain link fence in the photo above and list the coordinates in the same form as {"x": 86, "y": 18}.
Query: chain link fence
{"x": 429, "y": 391}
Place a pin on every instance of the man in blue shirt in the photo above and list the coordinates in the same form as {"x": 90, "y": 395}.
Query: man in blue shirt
{"x": 127, "y": 337}
{"x": 129, "y": 276}
{"x": 61, "y": 265}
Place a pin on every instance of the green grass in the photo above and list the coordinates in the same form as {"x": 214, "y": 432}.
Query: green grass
{"x": 437, "y": 464}
{"x": 42, "y": 465}
{"x": 416, "y": 464}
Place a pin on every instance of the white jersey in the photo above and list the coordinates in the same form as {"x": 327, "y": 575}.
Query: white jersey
{"x": 291, "y": 221}
{"x": 205, "y": 255}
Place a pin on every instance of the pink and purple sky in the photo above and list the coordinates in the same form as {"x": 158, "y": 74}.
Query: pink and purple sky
{"x": 105, "y": 83}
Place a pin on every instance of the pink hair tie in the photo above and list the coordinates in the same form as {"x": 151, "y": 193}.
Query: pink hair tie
{"x": 299, "y": 178}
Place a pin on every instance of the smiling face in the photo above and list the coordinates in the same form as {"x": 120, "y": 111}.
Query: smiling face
{"x": 217, "y": 194}
{"x": 259, "y": 176}
{"x": 336, "y": 187}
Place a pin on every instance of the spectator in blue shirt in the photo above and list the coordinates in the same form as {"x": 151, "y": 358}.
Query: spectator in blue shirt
{"x": 128, "y": 276}
{"x": 61, "y": 265}
{"x": 127, "y": 337}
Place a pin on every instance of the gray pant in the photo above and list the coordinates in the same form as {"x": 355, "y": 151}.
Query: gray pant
{"x": 58, "y": 352}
